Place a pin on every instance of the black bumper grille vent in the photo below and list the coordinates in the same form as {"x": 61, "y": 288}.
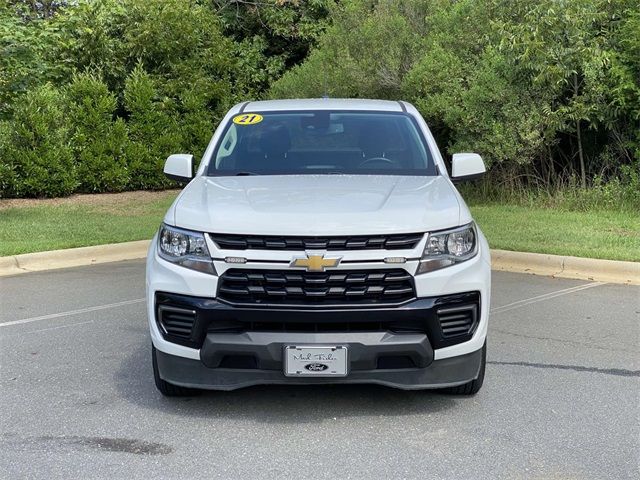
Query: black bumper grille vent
{"x": 374, "y": 242}
{"x": 456, "y": 321}
{"x": 290, "y": 287}
{"x": 175, "y": 321}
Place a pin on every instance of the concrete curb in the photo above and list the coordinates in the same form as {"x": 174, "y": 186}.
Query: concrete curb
{"x": 72, "y": 257}
{"x": 535, "y": 263}
{"x": 564, "y": 266}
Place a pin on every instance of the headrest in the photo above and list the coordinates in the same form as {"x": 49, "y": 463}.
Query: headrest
{"x": 374, "y": 138}
{"x": 275, "y": 140}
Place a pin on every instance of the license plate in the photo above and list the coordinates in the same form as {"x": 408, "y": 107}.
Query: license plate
{"x": 315, "y": 361}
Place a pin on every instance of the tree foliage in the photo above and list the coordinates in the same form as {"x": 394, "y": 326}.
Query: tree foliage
{"x": 545, "y": 91}
{"x": 366, "y": 52}
{"x": 94, "y": 94}
{"x": 97, "y": 140}
{"x": 37, "y": 152}
{"x": 151, "y": 118}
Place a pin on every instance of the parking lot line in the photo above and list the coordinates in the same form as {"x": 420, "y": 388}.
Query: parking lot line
{"x": 72, "y": 312}
{"x": 542, "y": 298}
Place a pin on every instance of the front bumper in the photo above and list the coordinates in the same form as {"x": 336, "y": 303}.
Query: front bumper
{"x": 242, "y": 346}
{"x": 435, "y": 362}
{"x": 438, "y": 374}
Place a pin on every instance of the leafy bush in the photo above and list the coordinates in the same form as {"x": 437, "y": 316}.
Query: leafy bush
{"x": 546, "y": 91}
{"x": 7, "y": 173}
{"x": 38, "y": 152}
{"x": 154, "y": 132}
{"x": 98, "y": 142}
{"x": 161, "y": 76}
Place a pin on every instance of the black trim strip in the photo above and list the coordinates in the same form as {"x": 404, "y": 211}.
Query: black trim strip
{"x": 394, "y": 241}
{"x": 178, "y": 178}
{"x": 404, "y": 109}
{"x": 468, "y": 178}
{"x": 243, "y": 106}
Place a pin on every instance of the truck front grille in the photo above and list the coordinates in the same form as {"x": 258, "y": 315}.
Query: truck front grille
{"x": 363, "y": 242}
{"x": 338, "y": 287}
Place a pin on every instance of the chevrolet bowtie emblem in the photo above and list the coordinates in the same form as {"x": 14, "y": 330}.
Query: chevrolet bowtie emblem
{"x": 315, "y": 262}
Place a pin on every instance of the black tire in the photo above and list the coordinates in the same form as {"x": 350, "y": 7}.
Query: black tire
{"x": 169, "y": 389}
{"x": 472, "y": 387}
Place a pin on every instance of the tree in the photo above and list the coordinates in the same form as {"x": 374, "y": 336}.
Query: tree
{"x": 23, "y": 44}
{"x": 563, "y": 52}
{"x": 286, "y": 29}
{"x": 366, "y": 52}
{"x": 464, "y": 87}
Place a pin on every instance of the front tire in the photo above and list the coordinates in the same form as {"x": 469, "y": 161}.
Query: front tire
{"x": 472, "y": 387}
{"x": 169, "y": 389}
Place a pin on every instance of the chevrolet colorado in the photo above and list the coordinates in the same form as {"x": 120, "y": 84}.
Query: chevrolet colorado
{"x": 319, "y": 241}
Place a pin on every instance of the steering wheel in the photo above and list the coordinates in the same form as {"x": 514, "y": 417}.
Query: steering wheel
{"x": 376, "y": 159}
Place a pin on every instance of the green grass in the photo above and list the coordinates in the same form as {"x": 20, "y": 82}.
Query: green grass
{"x": 47, "y": 225}
{"x": 51, "y": 227}
{"x": 612, "y": 235}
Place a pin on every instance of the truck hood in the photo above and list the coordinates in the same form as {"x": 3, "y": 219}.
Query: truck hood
{"x": 316, "y": 205}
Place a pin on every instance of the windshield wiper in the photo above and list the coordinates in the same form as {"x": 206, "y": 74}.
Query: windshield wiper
{"x": 245, "y": 174}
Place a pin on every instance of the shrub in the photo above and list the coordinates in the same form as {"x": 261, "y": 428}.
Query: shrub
{"x": 97, "y": 140}
{"x": 7, "y": 174}
{"x": 196, "y": 123}
{"x": 38, "y": 152}
{"x": 545, "y": 97}
{"x": 154, "y": 132}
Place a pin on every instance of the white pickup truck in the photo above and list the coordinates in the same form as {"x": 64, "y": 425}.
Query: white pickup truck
{"x": 319, "y": 241}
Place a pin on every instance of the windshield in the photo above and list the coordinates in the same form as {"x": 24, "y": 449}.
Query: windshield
{"x": 322, "y": 142}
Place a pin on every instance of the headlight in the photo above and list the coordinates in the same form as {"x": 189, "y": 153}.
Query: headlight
{"x": 185, "y": 248}
{"x": 448, "y": 248}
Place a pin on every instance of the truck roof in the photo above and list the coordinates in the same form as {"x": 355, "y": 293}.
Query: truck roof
{"x": 322, "y": 104}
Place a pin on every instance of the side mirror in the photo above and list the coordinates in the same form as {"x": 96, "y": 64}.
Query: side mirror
{"x": 179, "y": 167}
{"x": 466, "y": 166}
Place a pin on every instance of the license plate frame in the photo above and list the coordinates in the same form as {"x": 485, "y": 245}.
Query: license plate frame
{"x": 316, "y": 361}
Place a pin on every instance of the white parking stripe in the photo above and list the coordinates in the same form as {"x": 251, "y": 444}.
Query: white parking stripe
{"x": 18, "y": 333}
{"x": 542, "y": 298}
{"x": 503, "y": 308}
{"x": 72, "y": 312}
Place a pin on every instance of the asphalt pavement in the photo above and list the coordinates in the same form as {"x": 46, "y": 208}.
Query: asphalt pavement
{"x": 561, "y": 398}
